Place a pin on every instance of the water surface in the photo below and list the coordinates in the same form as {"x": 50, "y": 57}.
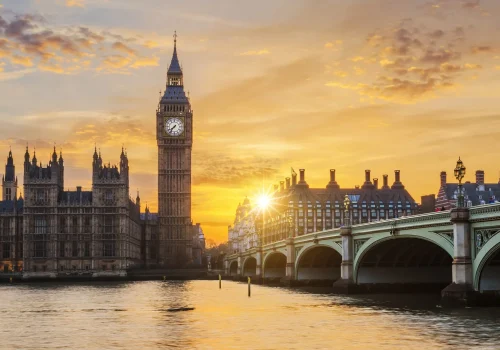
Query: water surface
{"x": 139, "y": 315}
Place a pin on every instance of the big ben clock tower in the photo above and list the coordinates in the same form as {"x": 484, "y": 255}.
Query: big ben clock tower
{"x": 174, "y": 133}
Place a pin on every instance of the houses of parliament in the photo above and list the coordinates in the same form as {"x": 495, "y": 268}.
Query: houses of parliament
{"x": 51, "y": 232}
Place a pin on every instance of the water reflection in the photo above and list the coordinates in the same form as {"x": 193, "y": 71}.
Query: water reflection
{"x": 136, "y": 315}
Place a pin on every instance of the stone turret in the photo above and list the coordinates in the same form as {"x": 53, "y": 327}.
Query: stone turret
{"x": 9, "y": 180}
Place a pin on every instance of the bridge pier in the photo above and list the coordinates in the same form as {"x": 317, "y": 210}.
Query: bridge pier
{"x": 346, "y": 284}
{"x": 289, "y": 279}
{"x": 258, "y": 268}
{"x": 461, "y": 291}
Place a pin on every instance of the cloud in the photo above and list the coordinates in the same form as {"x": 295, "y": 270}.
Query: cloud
{"x": 29, "y": 41}
{"x": 145, "y": 62}
{"x": 22, "y": 60}
{"x": 51, "y": 67}
{"x": 114, "y": 63}
{"x": 482, "y": 49}
{"x": 255, "y": 53}
{"x": 75, "y": 3}
{"x": 334, "y": 45}
{"x": 124, "y": 48}
{"x": 415, "y": 65}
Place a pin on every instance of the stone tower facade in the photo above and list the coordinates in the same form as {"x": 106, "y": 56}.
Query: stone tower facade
{"x": 174, "y": 132}
{"x": 9, "y": 180}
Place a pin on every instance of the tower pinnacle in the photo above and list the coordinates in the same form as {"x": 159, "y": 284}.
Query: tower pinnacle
{"x": 175, "y": 67}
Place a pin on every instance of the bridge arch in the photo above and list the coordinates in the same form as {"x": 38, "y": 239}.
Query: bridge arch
{"x": 486, "y": 265}
{"x": 233, "y": 268}
{"x": 423, "y": 258}
{"x": 318, "y": 262}
{"x": 274, "y": 265}
{"x": 249, "y": 267}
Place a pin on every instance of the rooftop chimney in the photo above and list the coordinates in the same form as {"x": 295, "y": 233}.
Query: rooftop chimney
{"x": 443, "y": 178}
{"x": 368, "y": 183}
{"x": 282, "y": 186}
{"x": 302, "y": 180}
{"x": 294, "y": 179}
{"x": 287, "y": 183}
{"x": 275, "y": 188}
{"x": 375, "y": 183}
{"x": 397, "y": 180}
{"x": 480, "y": 177}
{"x": 386, "y": 181}
{"x": 332, "y": 182}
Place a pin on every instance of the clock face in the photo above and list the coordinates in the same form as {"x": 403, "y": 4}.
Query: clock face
{"x": 174, "y": 126}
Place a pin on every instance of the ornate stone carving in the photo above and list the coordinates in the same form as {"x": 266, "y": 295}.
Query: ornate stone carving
{"x": 448, "y": 235}
{"x": 358, "y": 243}
{"x": 483, "y": 235}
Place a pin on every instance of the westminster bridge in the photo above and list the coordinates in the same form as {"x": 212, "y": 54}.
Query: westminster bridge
{"x": 458, "y": 249}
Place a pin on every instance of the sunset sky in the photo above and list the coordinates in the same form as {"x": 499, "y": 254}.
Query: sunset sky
{"x": 350, "y": 85}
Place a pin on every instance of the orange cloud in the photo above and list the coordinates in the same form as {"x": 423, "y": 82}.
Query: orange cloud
{"x": 335, "y": 45}
{"x": 145, "y": 62}
{"x": 255, "y": 53}
{"x": 22, "y": 60}
{"x": 124, "y": 48}
{"x": 75, "y": 3}
{"x": 54, "y": 68}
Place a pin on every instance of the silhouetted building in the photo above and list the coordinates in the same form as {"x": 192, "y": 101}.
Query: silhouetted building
{"x": 428, "y": 204}
{"x": 474, "y": 193}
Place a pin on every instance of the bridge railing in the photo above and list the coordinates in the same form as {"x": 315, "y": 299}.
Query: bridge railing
{"x": 478, "y": 212}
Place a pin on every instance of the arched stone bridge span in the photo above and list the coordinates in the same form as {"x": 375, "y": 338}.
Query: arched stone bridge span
{"x": 458, "y": 248}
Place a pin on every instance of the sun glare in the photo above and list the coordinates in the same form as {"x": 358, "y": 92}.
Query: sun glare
{"x": 263, "y": 201}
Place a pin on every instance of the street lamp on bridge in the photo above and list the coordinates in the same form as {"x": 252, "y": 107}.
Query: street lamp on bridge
{"x": 459, "y": 175}
{"x": 347, "y": 203}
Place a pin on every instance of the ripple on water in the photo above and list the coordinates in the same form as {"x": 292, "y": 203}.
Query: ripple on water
{"x": 139, "y": 316}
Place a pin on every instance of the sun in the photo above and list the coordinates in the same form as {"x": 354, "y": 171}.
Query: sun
{"x": 263, "y": 201}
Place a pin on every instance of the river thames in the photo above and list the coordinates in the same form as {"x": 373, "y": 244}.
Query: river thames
{"x": 143, "y": 315}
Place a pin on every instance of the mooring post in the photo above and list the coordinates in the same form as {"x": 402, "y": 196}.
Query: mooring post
{"x": 249, "y": 284}
{"x": 220, "y": 281}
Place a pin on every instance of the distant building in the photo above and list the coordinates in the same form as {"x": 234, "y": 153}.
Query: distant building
{"x": 299, "y": 209}
{"x": 474, "y": 193}
{"x": 99, "y": 232}
{"x": 96, "y": 232}
{"x": 11, "y": 221}
{"x": 198, "y": 245}
{"x": 150, "y": 245}
{"x": 428, "y": 204}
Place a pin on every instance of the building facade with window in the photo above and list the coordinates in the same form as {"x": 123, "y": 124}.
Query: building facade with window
{"x": 242, "y": 235}
{"x": 96, "y": 232}
{"x": 298, "y": 209}
{"x": 475, "y": 193}
{"x": 11, "y": 221}
{"x": 54, "y": 232}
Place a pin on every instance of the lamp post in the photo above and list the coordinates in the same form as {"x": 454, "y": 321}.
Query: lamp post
{"x": 291, "y": 225}
{"x": 459, "y": 175}
{"x": 347, "y": 202}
